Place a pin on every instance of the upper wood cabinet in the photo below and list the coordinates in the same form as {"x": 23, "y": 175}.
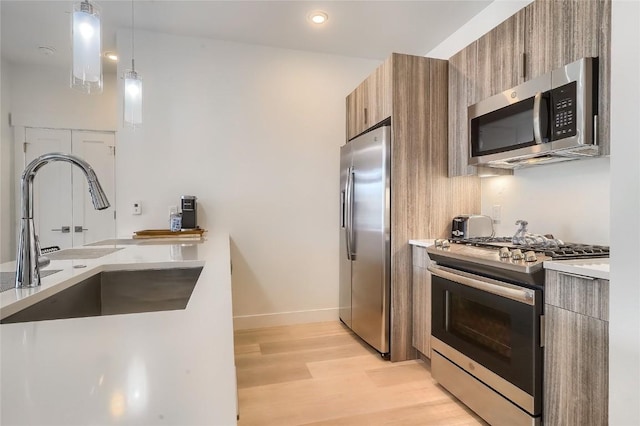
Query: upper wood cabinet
{"x": 545, "y": 35}
{"x": 462, "y": 93}
{"x": 500, "y": 54}
{"x": 370, "y": 102}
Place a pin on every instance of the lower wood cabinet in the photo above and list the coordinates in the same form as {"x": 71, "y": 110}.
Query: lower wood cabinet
{"x": 576, "y": 353}
{"x": 421, "y": 319}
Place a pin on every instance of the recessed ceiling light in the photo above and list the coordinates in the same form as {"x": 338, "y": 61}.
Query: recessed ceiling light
{"x": 47, "y": 50}
{"x": 318, "y": 17}
{"x": 111, "y": 55}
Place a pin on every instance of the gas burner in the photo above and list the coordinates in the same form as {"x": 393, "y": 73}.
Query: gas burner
{"x": 557, "y": 252}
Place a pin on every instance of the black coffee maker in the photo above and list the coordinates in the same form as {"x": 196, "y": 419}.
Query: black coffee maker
{"x": 189, "y": 212}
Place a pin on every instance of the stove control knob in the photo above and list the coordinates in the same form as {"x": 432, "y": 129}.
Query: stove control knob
{"x": 530, "y": 256}
{"x": 505, "y": 253}
{"x": 445, "y": 244}
{"x": 516, "y": 254}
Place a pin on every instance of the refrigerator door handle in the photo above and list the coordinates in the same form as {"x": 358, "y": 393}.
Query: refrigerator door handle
{"x": 351, "y": 245}
{"x": 345, "y": 211}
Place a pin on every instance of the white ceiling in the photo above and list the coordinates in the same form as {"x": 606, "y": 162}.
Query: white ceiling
{"x": 367, "y": 29}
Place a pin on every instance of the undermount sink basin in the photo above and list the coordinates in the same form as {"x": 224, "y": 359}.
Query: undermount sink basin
{"x": 116, "y": 292}
{"x": 81, "y": 253}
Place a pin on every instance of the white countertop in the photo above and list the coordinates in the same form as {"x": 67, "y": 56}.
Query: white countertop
{"x": 421, "y": 243}
{"x": 156, "y": 368}
{"x": 596, "y": 268}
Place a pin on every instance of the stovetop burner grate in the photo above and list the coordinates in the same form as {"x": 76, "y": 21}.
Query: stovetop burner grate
{"x": 558, "y": 252}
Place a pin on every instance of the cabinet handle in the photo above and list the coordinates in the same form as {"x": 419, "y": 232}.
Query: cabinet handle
{"x": 365, "y": 116}
{"x": 584, "y": 277}
{"x": 79, "y": 229}
{"x": 63, "y": 229}
{"x": 523, "y": 66}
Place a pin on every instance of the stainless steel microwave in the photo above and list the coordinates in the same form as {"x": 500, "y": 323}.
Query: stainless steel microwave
{"x": 547, "y": 119}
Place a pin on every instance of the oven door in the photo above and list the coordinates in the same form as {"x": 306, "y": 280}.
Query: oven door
{"x": 493, "y": 323}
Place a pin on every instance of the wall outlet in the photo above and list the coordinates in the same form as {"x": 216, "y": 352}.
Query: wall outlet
{"x": 137, "y": 208}
{"x": 496, "y": 213}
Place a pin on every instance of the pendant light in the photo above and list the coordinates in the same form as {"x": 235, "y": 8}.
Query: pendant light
{"x": 132, "y": 88}
{"x": 86, "y": 68}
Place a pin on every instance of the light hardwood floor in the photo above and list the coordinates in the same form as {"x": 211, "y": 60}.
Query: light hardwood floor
{"x": 322, "y": 374}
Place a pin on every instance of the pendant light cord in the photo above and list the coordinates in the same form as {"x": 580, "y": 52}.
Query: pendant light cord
{"x": 133, "y": 38}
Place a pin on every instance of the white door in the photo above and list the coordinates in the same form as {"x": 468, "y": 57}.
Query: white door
{"x": 63, "y": 212}
{"x": 52, "y": 187}
{"x": 91, "y": 225}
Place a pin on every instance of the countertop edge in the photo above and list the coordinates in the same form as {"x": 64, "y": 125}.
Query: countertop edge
{"x": 579, "y": 268}
{"x": 421, "y": 243}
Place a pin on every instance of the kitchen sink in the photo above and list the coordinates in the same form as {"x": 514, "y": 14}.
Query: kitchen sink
{"x": 116, "y": 292}
{"x": 81, "y": 253}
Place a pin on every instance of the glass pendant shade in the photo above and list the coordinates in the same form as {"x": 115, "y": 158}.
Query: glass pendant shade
{"x": 132, "y": 99}
{"x": 86, "y": 70}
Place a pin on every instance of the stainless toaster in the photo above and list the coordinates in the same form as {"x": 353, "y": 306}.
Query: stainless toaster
{"x": 471, "y": 226}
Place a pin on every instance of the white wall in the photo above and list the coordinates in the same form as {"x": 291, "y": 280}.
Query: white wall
{"x": 624, "y": 321}
{"x": 254, "y": 132}
{"x": 7, "y": 219}
{"x": 40, "y": 96}
{"x": 569, "y": 200}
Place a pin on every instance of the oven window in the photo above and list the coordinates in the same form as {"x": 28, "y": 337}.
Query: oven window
{"x": 480, "y": 325}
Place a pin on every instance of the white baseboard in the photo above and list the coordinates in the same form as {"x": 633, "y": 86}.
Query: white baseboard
{"x": 284, "y": 318}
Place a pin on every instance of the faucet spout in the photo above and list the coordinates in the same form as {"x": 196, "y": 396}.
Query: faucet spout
{"x": 27, "y": 268}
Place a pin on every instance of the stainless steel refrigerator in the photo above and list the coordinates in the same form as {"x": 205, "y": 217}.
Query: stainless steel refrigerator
{"x": 365, "y": 236}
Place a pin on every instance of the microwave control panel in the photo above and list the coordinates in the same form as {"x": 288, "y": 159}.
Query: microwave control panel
{"x": 563, "y": 109}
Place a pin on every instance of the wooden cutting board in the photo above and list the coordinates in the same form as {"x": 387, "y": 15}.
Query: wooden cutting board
{"x": 167, "y": 233}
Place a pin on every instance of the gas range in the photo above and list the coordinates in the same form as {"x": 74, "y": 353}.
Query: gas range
{"x": 498, "y": 257}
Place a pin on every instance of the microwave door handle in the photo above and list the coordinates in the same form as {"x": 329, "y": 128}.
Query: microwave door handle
{"x": 537, "y": 125}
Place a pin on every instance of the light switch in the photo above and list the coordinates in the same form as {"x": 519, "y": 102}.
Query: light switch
{"x": 137, "y": 208}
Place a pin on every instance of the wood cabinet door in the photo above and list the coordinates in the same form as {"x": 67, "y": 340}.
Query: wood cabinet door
{"x": 357, "y": 110}
{"x": 421, "y": 320}
{"x": 539, "y": 42}
{"x": 576, "y": 369}
{"x": 499, "y": 65}
{"x": 575, "y": 30}
{"x": 462, "y": 93}
{"x": 378, "y": 105}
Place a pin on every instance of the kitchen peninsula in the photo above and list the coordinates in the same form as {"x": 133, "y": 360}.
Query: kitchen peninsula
{"x": 167, "y": 367}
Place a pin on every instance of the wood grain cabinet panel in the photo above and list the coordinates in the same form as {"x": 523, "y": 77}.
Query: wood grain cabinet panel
{"x": 462, "y": 93}
{"x": 576, "y": 369}
{"x": 500, "y": 51}
{"x": 421, "y": 301}
{"x": 539, "y": 42}
{"x": 576, "y": 363}
{"x": 588, "y": 296}
{"x": 357, "y": 102}
{"x": 411, "y": 91}
{"x": 378, "y": 104}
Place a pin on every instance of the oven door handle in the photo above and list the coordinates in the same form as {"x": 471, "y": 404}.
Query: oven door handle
{"x": 499, "y": 288}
